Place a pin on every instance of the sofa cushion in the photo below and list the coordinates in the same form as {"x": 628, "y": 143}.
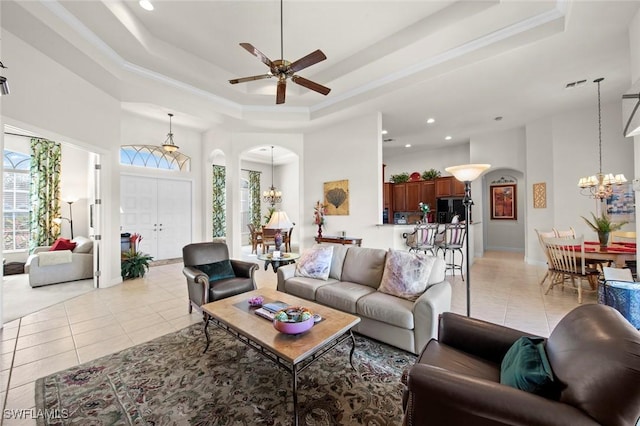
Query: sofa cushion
{"x": 438, "y": 272}
{"x": 62, "y": 244}
{"x": 342, "y": 295}
{"x": 83, "y": 245}
{"x": 315, "y": 262}
{"x": 337, "y": 261}
{"x": 305, "y": 287}
{"x": 406, "y": 274}
{"x": 364, "y": 266}
{"x": 385, "y": 308}
{"x": 525, "y": 366}
{"x": 217, "y": 270}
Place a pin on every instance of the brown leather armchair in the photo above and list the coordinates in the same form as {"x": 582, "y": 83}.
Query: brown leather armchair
{"x": 201, "y": 291}
{"x": 593, "y": 351}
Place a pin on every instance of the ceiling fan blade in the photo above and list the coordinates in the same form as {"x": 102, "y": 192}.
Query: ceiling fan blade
{"x": 252, "y": 78}
{"x": 310, "y": 85}
{"x": 307, "y": 61}
{"x": 258, "y": 54}
{"x": 282, "y": 90}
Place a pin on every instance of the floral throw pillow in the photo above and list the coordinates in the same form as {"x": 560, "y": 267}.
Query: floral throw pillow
{"x": 315, "y": 263}
{"x": 406, "y": 274}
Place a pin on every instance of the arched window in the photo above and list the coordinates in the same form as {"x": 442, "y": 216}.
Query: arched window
{"x": 16, "y": 181}
{"x": 154, "y": 157}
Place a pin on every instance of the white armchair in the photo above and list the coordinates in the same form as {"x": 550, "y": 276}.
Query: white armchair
{"x": 79, "y": 267}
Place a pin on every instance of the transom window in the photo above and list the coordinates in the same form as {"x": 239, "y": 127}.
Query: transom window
{"x": 154, "y": 157}
{"x": 15, "y": 188}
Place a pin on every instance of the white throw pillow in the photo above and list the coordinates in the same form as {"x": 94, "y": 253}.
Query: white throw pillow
{"x": 406, "y": 274}
{"x": 315, "y": 262}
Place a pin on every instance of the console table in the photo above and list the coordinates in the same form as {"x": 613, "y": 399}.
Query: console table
{"x": 340, "y": 240}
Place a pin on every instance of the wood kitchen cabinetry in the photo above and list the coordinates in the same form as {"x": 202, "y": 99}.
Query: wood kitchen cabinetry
{"x": 406, "y": 196}
{"x": 428, "y": 193}
{"x": 449, "y": 187}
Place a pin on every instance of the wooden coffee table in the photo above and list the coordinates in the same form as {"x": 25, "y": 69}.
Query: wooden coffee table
{"x": 293, "y": 353}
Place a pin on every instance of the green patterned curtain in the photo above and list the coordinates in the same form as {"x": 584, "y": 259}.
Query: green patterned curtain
{"x": 254, "y": 197}
{"x": 44, "y": 192}
{"x": 218, "y": 206}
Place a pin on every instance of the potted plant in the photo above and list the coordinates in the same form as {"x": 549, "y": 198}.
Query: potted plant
{"x": 400, "y": 178}
{"x": 603, "y": 226}
{"x": 430, "y": 174}
{"x": 134, "y": 263}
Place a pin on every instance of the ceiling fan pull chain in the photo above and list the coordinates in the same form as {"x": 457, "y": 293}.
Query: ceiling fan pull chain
{"x": 281, "y": 33}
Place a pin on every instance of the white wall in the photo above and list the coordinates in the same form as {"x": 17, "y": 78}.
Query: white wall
{"x": 351, "y": 151}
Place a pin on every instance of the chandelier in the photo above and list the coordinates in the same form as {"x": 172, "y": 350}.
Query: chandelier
{"x": 272, "y": 196}
{"x": 600, "y": 185}
{"x": 168, "y": 144}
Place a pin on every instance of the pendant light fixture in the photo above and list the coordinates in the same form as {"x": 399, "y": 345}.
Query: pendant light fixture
{"x": 4, "y": 86}
{"x": 168, "y": 144}
{"x": 272, "y": 196}
{"x": 600, "y": 185}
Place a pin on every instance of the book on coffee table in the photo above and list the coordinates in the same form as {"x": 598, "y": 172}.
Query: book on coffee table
{"x": 268, "y": 310}
{"x": 275, "y": 306}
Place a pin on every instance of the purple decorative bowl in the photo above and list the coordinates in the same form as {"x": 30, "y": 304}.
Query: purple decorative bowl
{"x": 293, "y": 327}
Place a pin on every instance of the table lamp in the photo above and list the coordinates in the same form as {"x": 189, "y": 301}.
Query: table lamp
{"x": 279, "y": 221}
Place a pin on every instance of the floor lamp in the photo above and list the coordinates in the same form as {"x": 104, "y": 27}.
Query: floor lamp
{"x": 467, "y": 173}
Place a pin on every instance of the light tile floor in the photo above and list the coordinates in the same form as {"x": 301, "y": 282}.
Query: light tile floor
{"x": 505, "y": 290}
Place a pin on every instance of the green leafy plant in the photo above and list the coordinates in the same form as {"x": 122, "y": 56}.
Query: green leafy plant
{"x": 603, "y": 223}
{"x": 134, "y": 264}
{"x": 400, "y": 178}
{"x": 430, "y": 174}
{"x": 267, "y": 217}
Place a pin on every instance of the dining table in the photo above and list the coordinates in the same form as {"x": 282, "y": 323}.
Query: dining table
{"x": 618, "y": 253}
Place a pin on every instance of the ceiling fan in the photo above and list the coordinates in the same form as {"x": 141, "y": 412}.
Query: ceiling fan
{"x": 283, "y": 69}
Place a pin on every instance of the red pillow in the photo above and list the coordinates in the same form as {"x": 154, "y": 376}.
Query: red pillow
{"x": 62, "y": 244}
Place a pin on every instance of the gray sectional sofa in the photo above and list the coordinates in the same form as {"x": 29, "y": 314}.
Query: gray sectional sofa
{"x": 352, "y": 286}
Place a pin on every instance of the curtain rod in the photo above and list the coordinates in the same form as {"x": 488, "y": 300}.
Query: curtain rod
{"x": 24, "y": 136}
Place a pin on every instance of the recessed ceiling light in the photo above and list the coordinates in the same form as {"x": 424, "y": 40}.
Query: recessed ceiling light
{"x": 431, "y": 120}
{"x": 447, "y": 138}
{"x": 384, "y": 132}
{"x": 146, "y": 5}
{"x": 408, "y": 145}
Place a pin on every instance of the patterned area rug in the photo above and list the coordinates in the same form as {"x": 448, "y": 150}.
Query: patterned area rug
{"x": 168, "y": 381}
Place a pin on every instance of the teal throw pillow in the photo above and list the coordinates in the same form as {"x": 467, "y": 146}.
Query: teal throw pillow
{"x": 218, "y": 270}
{"x": 525, "y": 366}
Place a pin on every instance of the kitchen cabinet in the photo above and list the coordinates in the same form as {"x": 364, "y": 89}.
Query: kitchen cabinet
{"x": 399, "y": 196}
{"x": 428, "y": 193}
{"x": 406, "y": 196}
{"x": 449, "y": 187}
{"x": 387, "y": 195}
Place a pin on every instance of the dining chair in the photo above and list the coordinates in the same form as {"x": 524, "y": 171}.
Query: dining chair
{"x": 268, "y": 239}
{"x": 286, "y": 239}
{"x": 567, "y": 258}
{"x": 453, "y": 241}
{"x": 423, "y": 238}
{"x": 569, "y": 233}
{"x": 541, "y": 235}
{"x": 255, "y": 236}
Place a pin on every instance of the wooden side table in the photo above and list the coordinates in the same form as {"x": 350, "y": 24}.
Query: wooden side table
{"x": 340, "y": 240}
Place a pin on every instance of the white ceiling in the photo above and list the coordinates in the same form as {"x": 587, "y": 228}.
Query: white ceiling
{"x": 461, "y": 62}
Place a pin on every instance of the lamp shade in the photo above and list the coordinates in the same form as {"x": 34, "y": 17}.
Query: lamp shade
{"x": 279, "y": 220}
{"x": 467, "y": 172}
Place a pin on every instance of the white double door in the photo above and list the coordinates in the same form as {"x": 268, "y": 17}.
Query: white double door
{"x": 160, "y": 211}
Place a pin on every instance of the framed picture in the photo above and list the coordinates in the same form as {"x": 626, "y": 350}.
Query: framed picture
{"x": 621, "y": 206}
{"x": 503, "y": 202}
{"x": 336, "y": 197}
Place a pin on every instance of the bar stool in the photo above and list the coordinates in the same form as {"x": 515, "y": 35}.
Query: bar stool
{"x": 453, "y": 241}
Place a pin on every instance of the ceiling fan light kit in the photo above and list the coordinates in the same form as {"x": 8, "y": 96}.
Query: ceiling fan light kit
{"x": 283, "y": 69}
